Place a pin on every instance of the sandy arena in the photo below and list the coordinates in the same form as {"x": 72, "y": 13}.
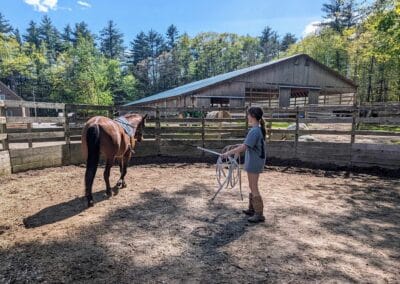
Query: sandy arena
{"x": 322, "y": 226}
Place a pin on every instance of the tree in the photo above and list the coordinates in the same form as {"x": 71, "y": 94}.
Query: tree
{"x": 67, "y": 35}
{"x": 5, "y": 27}
{"x": 140, "y": 49}
{"x": 82, "y": 76}
{"x": 49, "y": 35}
{"x": 111, "y": 41}
{"x": 81, "y": 30}
{"x": 172, "y": 36}
{"x": 339, "y": 14}
{"x": 269, "y": 42}
{"x": 287, "y": 40}
{"x": 32, "y": 34}
{"x": 17, "y": 36}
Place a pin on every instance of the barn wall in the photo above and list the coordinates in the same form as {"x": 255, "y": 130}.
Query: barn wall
{"x": 226, "y": 89}
{"x": 296, "y": 72}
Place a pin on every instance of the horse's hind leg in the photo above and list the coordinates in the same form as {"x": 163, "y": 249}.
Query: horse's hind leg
{"x": 89, "y": 177}
{"x": 107, "y": 169}
{"x": 93, "y": 144}
{"x": 123, "y": 167}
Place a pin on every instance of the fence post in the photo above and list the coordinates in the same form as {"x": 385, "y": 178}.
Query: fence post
{"x": 158, "y": 131}
{"x": 28, "y": 127}
{"x": 246, "y": 122}
{"x": 353, "y": 125}
{"x": 203, "y": 130}
{"x": 67, "y": 133}
{"x": 296, "y": 135}
{"x": 3, "y": 126}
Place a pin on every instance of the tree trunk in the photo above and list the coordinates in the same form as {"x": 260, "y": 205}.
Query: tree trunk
{"x": 369, "y": 90}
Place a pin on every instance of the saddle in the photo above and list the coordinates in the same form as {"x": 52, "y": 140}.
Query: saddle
{"x": 129, "y": 130}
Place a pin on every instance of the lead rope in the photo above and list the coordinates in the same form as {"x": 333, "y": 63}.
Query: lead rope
{"x": 227, "y": 170}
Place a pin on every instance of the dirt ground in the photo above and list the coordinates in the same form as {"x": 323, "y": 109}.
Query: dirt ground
{"x": 321, "y": 226}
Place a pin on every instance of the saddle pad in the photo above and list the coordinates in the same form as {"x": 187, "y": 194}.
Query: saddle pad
{"x": 129, "y": 130}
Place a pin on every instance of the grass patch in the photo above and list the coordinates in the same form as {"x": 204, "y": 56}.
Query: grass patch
{"x": 280, "y": 124}
{"x": 392, "y": 128}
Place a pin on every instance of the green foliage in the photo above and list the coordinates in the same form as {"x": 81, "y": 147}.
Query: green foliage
{"x": 85, "y": 76}
{"x": 111, "y": 41}
{"x": 360, "y": 42}
{"x": 368, "y": 52}
{"x": 5, "y": 27}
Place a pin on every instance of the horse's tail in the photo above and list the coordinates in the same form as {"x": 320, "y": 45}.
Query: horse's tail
{"x": 93, "y": 156}
{"x": 93, "y": 145}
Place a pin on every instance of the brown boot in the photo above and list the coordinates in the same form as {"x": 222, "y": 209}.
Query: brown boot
{"x": 250, "y": 211}
{"x": 258, "y": 210}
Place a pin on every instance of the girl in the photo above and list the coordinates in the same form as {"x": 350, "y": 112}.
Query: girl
{"x": 254, "y": 145}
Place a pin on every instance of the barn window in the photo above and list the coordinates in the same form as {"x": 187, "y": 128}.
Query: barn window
{"x": 298, "y": 96}
{"x": 220, "y": 102}
{"x": 262, "y": 96}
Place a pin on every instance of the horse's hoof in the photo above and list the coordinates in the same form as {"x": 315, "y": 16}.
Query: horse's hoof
{"x": 90, "y": 203}
{"x": 116, "y": 190}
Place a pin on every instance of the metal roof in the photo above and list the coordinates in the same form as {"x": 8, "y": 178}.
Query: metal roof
{"x": 195, "y": 86}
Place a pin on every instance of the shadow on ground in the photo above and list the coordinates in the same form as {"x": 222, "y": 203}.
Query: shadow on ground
{"x": 164, "y": 237}
{"x": 61, "y": 211}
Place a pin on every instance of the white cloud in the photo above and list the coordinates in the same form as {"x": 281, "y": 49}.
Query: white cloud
{"x": 84, "y": 4}
{"x": 312, "y": 28}
{"x": 42, "y": 5}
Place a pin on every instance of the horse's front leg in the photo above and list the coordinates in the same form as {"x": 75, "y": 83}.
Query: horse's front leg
{"x": 107, "y": 169}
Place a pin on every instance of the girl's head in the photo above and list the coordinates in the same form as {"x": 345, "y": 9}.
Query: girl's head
{"x": 255, "y": 117}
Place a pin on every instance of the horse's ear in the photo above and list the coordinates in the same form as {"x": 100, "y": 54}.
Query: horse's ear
{"x": 145, "y": 116}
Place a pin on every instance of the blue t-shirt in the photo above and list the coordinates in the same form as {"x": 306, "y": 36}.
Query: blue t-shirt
{"x": 255, "y": 153}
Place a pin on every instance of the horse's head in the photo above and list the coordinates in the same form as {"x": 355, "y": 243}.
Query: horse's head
{"x": 138, "y": 121}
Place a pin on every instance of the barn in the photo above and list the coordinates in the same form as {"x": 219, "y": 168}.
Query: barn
{"x": 292, "y": 81}
{"x": 7, "y": 94}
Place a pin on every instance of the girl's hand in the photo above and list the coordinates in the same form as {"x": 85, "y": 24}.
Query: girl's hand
{"x": 224, "y": 155}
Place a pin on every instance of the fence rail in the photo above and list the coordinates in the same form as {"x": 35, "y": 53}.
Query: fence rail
{"x": 49, "y": 122}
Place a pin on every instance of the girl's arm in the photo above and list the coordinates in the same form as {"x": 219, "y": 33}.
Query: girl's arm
{"x": 239, "y": 149}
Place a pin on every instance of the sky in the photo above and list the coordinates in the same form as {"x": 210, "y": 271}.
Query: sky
{"x": 191, "y": 16}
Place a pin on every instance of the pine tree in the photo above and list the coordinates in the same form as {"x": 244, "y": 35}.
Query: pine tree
{"x": 32, "y": 34}
{"x": 139, "y": 49}
{"x": 287, "y": 40}
{"x": 5, "y": 27}
{"x": 269, "y": 41}
{"x": 339, "y": 14}
{"x": 17, "y": 36}
{"x": 172, "y": 36}
{"x": 81, "y": 30}
{"x": 67, "y": 35}
{"x": 50, "y": 36}
{"x": 111, "y": 41}
{"x": 156, "y": 43}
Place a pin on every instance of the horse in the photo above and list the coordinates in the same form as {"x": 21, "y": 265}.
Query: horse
{"x": 102, "y": 135}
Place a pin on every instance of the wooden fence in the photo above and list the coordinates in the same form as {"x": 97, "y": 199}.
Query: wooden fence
{"x": 49, "y": 124}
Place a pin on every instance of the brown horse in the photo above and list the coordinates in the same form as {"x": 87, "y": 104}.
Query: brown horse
{"x": 102, "y": 135}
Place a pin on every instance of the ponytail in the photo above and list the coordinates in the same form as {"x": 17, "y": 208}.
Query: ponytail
{"x": 263, "y": 129}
